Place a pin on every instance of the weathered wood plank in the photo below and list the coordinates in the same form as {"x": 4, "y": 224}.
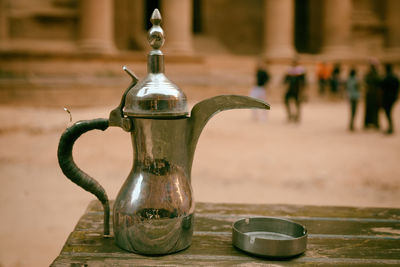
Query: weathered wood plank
{"x": 284, "y": 210}
{"x": 361, "y": 227}
{"x": 337, "y": 236}
{"x": 204, "y": 260}
{"x": 297, "y": 210}
{"x": 221, "y": 244}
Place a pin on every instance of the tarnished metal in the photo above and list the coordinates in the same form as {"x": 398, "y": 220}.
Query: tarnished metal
{"x": 155, "y": 96}
{"x": 269, "y": 237}
{"x": 154, "y": 210}
{"x": 153, "y": 213}
{"x": 69, "y": 112}
{"x": 116, "y": 116}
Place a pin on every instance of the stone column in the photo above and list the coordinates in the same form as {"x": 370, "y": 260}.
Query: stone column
{"x": 3, "y": 24}
{"x": 336, "y": 27}
{"x": 97, "y": 27}
{"x": 367, "y": 28}
{"x": 393, "y": 27}
{"x": 177, "y": 25}
{"x": 279, "y": 29}
{"x": 129, "y": 31}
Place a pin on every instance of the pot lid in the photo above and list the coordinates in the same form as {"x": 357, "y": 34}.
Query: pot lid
{"x": 155, "y": 96}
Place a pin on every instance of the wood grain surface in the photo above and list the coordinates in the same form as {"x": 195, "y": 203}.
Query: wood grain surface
{"x": 340, "y": 236}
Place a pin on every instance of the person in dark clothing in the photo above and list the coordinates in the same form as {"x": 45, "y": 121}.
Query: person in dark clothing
{"x": 262, "y": 77}
{"x": 372, "y": 98}
{"x": 295, "y": 80}
{"x": 390, "y": 91}
{"x": 335, "y": 80}
{"x": 353, "y": 94}
{"x": 259, "y": 90}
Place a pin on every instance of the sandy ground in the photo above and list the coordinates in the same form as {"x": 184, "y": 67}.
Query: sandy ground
{"x": 237, "y": 159}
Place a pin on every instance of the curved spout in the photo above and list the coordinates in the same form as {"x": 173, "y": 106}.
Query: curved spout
{"x": 205, "y": 109}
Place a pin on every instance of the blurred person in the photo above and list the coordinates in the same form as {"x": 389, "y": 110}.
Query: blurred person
{"x": 259, "y": 90}
{"x": 353, "y": 93}
{"x": 295, "y": 80}
{"x": 335, "y": 80}
{"x": 372, "y": 97}
{"x": 323, "y": 74}
{"x": 390, "y": 91}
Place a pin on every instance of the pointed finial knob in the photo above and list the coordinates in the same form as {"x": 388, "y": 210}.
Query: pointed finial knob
{"x": 156, "y": 33}
{"x": 156, "y": 17}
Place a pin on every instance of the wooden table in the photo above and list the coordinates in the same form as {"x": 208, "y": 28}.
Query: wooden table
{"x": 340, "y": 236}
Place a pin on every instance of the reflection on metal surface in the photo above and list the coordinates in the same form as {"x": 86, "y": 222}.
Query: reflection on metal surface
{"x": 136, "y": 191}
{"x": 153, "y": 206}
{"x": 155, "y": 95}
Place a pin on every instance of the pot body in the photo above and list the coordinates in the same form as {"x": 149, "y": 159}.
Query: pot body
{"x": 154, "y": 210}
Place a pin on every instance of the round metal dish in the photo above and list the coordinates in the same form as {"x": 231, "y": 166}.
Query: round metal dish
{"x": 269, "y": 237}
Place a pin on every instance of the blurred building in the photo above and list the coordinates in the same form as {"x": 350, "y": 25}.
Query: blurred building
{"x": 77, "y": 47}
{"x": 277, "y": 29}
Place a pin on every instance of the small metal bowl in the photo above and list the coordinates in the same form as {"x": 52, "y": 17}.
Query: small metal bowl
{"x": 269, "y": 237}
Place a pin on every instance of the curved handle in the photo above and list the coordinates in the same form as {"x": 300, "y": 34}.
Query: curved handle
{"x": 75, "y": 174}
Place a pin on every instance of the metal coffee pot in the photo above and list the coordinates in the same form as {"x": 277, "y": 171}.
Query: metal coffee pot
{"x": 154, "y": 210}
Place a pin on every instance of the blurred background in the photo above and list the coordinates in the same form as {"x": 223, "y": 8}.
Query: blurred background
{"x": 70, "y": 53}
